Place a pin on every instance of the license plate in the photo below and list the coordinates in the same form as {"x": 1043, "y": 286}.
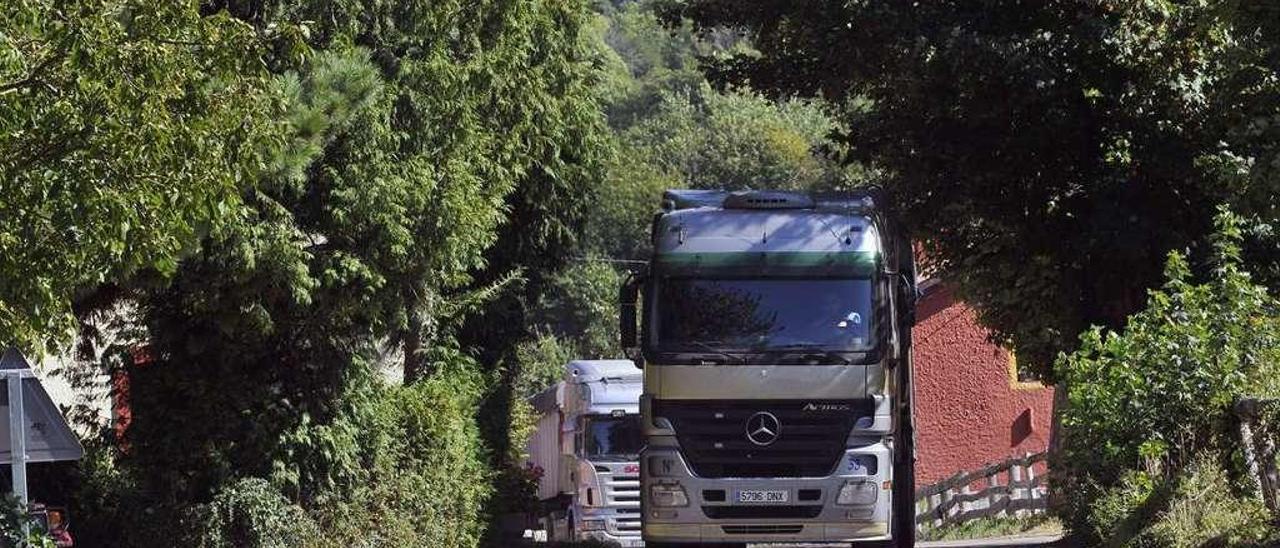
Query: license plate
{"x": 763, "y": 496}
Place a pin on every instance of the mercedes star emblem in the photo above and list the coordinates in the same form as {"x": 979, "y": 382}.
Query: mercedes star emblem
{"x": 763, "y": 428}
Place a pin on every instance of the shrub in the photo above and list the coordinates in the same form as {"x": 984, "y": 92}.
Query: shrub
{"x": 540, "y": 363}
{"x": 251, "y": 512}
{"x": 425, "y": 478}
{"x": 1144, "y": 403}
{"x": 1121, "y": 513}
{"x": 1204, "y": 512}
{"x": 13, "y": 517}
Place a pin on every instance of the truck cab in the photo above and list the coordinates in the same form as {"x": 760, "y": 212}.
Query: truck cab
{"x": 588, "y": 443}
{"x": 775, "y": 342}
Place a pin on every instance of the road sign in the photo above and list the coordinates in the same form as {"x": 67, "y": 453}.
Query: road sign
{"x": 35, "y": 430}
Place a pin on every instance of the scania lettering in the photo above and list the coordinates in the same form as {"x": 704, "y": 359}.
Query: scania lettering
{"x": 775, "y": 343}
{"x": 586, "y": 444}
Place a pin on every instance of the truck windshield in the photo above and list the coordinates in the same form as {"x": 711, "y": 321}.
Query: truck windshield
{"x": 755, "y": 315}
{"x": 613, "y": 437}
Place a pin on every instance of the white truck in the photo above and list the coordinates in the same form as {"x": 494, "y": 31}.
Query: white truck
{"x": 587, "y": 445}
{"x": 775, "y": 335}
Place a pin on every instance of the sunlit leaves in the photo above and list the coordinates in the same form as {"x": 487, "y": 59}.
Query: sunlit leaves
{"x": 128, "y": 130}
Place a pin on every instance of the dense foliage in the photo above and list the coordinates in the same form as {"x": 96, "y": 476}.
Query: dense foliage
{"x": 127, "y": 132}
{"x": 1045, "y": 152}
{"x": 18, "y": 529}
{"x": 671, "y": 129}
{"x": 285, "y": 201}
{"x": 1147, "y": 403}
{"x": 334, "y": 246}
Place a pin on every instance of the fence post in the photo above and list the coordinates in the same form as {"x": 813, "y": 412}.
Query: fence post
{"x": 935, "y": 502}
{"x": 993, "y": 481}
{"x": 921, "y": 502}
{"x": 1031, "y": 476}
{"x": 1015, "y": 491}
{"x": 946, "y": 498}
{"x": 1259, "y": 453}
{"x": 1247, "y": 444}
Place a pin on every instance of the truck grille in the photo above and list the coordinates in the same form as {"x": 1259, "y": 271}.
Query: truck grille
{"x": 627, "y": 522}
{"x": 810, "y": 441}
{"x": 622, "y": 491}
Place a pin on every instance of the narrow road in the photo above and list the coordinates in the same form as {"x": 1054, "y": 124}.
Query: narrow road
{"x": 1053, "y": 541}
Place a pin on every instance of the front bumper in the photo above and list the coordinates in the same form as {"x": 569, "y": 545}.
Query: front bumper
{"x": 629, "y": 541}
{"x": 621, "y": 525}
{"x": 808, "y": 532}
{"x": 814, "y": 518}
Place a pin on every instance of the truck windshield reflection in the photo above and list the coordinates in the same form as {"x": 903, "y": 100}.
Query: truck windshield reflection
{"x": 613, "y": 438}
{"x": 760, "y": 315}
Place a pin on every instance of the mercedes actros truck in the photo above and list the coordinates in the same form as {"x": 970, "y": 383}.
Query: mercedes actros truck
{"x": 586, "y": 444}
{"x": 773, "y": 329}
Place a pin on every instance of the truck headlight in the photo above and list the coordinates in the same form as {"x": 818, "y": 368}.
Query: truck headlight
{"x": 858, "y": 493}
{"x": 668, "y": 495}
{"x": 591, "y": 525}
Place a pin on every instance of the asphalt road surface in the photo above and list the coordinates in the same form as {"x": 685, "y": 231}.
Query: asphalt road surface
{"x": 1006, "y": 542}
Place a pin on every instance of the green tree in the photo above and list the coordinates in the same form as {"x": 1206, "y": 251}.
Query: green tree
{"x": 1046, "y": 153}
{"x": 409, "y": 133}
{"x": 128, "y": 131}
{"x": 706, "y": 139}
{"x": 581, "y": 303}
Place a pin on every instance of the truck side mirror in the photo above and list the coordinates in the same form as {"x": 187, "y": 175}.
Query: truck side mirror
{"x": 627, "y": 329}
{"x": 913, "y": 295}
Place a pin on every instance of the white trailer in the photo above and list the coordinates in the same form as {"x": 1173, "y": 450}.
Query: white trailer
{"x": 587, "y": 444}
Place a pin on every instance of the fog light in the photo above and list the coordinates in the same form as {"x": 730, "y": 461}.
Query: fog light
{"x": 858, "y": 493}
{"x": 860, "y": 514}
{"x": 668, "y": 495}
{"x": 591, "y": 525}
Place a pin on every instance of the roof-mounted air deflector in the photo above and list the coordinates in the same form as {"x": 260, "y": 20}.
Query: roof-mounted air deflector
{"x": 689, "y": 199}
{"x": 768, "y": 200}
{"x": 598, "y": 370}
{"x": 748, "y": 199}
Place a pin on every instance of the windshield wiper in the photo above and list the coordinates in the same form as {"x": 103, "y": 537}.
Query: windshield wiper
{"x": 807, "y": 353}
{"x": 712, "y": 350}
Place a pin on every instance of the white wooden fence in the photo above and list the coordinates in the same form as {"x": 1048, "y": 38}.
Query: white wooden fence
{"x": 1010, "y": 488}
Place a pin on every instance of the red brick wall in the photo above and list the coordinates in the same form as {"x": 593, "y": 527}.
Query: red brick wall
{"x": 969, "y": 411}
